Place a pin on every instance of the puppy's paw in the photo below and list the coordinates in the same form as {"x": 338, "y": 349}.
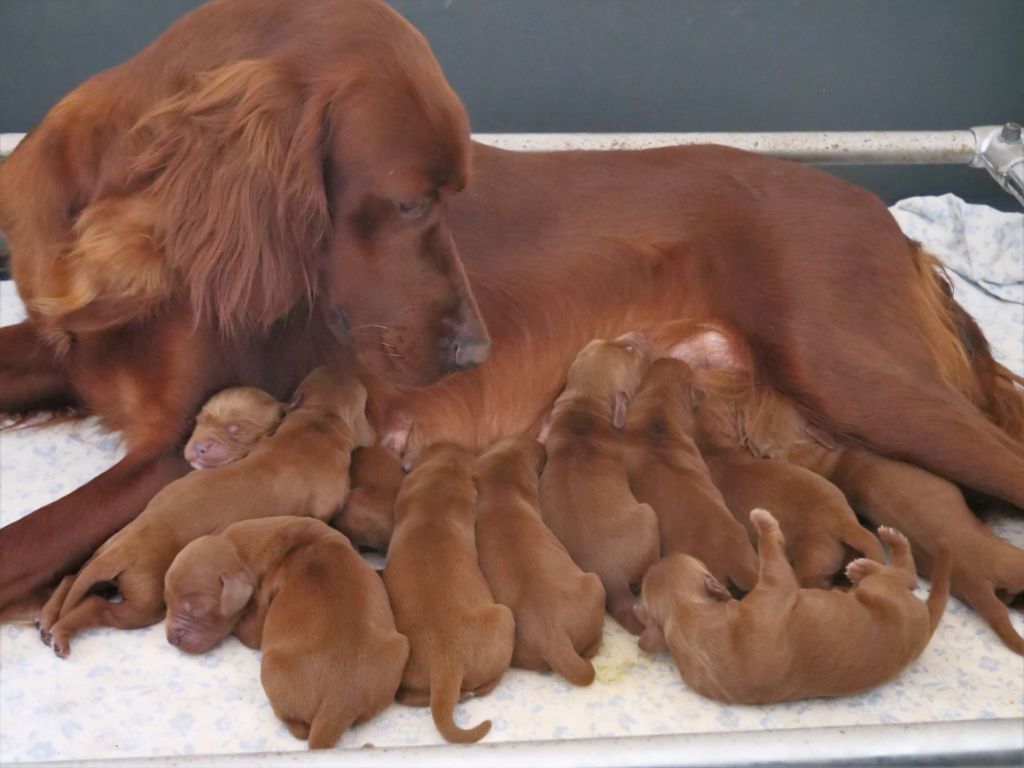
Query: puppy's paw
{"x": 46, "y": 637}
{"x": 764, "y": 521}
{"x": 891, "y": 536}
{"x": 861, "y": 568}
{"x": 61, "y": 645}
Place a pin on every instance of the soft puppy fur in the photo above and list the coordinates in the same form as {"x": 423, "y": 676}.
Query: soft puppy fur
{"x": 558, "y": 609}
{"x": 230, "y": 424}
{"x": 368, "y": 517}
{"x": 584, "y": 491}
{"x": 768, "y": 647}
{"x": 302, "y": 469}
{"x": 331, "y": 654}
{"x": 460, "y": 640}
{"x": 667, "y": 471}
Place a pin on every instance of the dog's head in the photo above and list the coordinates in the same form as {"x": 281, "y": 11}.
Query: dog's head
{"x": 338, "y": 392}
{"x": 611, "y": 370}
{"x": 673, "y": 581}
{"x": 320, "y": 172}
{"x": 207, "y": 588}
{"x": 230, "y": 424}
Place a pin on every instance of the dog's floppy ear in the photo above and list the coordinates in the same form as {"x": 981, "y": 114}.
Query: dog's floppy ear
{"x": 716, "y": 589}
{"x": 620, "y": 409}
{"x": 235, "y": 593}
{"x": 235, "y": 163}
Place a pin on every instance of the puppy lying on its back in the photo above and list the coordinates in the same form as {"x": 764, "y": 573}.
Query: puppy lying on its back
{"x": 667, "y": 471}
{"x": 771, "y": 646}
{"x": 584, "y": 491}
{"x": 302, "y": 469}
{"x": 558, "y": 609}
{"x": 230, "y": 424}
{"x": 331, "y": 654}
{"x": 460, "y": 640}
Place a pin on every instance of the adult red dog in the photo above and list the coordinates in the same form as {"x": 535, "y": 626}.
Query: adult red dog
{"x": 159, "y": 264}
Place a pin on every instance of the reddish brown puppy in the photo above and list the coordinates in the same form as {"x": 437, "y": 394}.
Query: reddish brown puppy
{"x": 460, "y": 640}
{"x": 331, "y": 655}
{"x": 767, "y": 647}
{"x": 584, "y": 491}
{"x": 558, "y": 609}
{"x": 302, "y": 469}
{"x": 230, "y": 424}
{"x": 368, "y": 517}
{"x": 667, "y": 471}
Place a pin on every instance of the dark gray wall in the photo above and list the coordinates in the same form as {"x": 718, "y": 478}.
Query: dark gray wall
{"x": 635, "y": 65}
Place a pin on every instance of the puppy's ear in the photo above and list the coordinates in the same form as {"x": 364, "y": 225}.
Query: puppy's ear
{"x": 235, "y": 165}
{"x": 716, "y": 589}
{"x": 620, "y": 409}
{"x": 234, "y": 594}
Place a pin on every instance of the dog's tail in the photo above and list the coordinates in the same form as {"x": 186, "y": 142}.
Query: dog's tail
{"x": 445, "y": 689}
{"x": 980, "y": 594}
{"x": 100, "y": 569}
{"x": 937, "y": 598}
{"x": 962, "y": 351}
{"x": 564, "y": 660}
{"x": 331, "y": 720}
{"x": 856, "y": 536}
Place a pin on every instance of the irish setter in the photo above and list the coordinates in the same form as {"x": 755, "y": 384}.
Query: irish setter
{"x": 199, "y": 216}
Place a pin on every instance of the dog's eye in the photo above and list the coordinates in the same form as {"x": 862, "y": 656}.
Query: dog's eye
{"x": 233, "y": 429}
{"x": 414, "y": 207}
{"x": 630, "y": 348}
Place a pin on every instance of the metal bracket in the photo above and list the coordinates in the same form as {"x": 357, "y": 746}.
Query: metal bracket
{"x": 1000, "y": 151}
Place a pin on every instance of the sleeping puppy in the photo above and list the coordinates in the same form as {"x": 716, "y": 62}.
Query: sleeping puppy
{"x": 302, "y": 469}
{"x": 331, "y": 654}
{"x": 558, "y": 609}
{"x": 230, "y": 424}
{"x": 368, "y": 516}
{"x": 584, "y": 491}
{"x": 460, "y": 640}
{"x": 667, "y": 471}
{"x": 769, "y": 646}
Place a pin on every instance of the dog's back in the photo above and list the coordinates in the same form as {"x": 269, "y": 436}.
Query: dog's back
{"x": 331, "y": 654}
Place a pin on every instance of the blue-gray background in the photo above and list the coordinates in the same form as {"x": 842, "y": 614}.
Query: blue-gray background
{"x": 635, "y": 65}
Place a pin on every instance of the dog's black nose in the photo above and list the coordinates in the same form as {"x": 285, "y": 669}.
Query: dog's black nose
{"x": 468, "y": 352}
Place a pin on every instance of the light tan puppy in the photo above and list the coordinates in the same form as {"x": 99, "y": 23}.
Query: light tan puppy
{"x": 460, "y": 640}
{"x": 368, "y": 517}
{"x": 584, "y": 491}
{"x": 558, "y": 609}
{"x": 302, "y": 469}
{"x": 667, "y": 471}
{"x": 781, "y": 642}
{"x": 230, "y": 424}
{"x": 331, "y": 654}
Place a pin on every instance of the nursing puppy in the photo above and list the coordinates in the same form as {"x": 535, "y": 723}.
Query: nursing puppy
{"x": 814, "y": 515}
{"x": 558, "y": 609}
{"x": 368, "y": 516}
{"x": 460, "y": 640}
{"x": 667, "y": 471}
{"x": 230, "y": 424}
{"x": 331, "y": 654}
{"x": 584, "y": 491}
{"x": 769, "y": 646}
{"x": 302, "y": 469}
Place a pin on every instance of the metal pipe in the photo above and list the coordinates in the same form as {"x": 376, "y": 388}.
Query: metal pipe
{"x": 998, "y": 149}
{"x": 825, "y": 148}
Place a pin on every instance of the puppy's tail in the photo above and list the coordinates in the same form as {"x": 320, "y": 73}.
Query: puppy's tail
{"x": 98, "y": 570}
{"x": 564, "y": 660}
{"x": 329, "y": 723}
{"x": 445, "y": 688}
{"x": 939, "y": 595}
{"x": 856, "y": 536}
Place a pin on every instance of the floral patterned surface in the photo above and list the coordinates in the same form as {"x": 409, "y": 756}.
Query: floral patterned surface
{"x": 129, "y": 694}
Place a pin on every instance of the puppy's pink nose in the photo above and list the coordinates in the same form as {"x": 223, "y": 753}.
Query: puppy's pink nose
{"x": 201, "y": 448}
